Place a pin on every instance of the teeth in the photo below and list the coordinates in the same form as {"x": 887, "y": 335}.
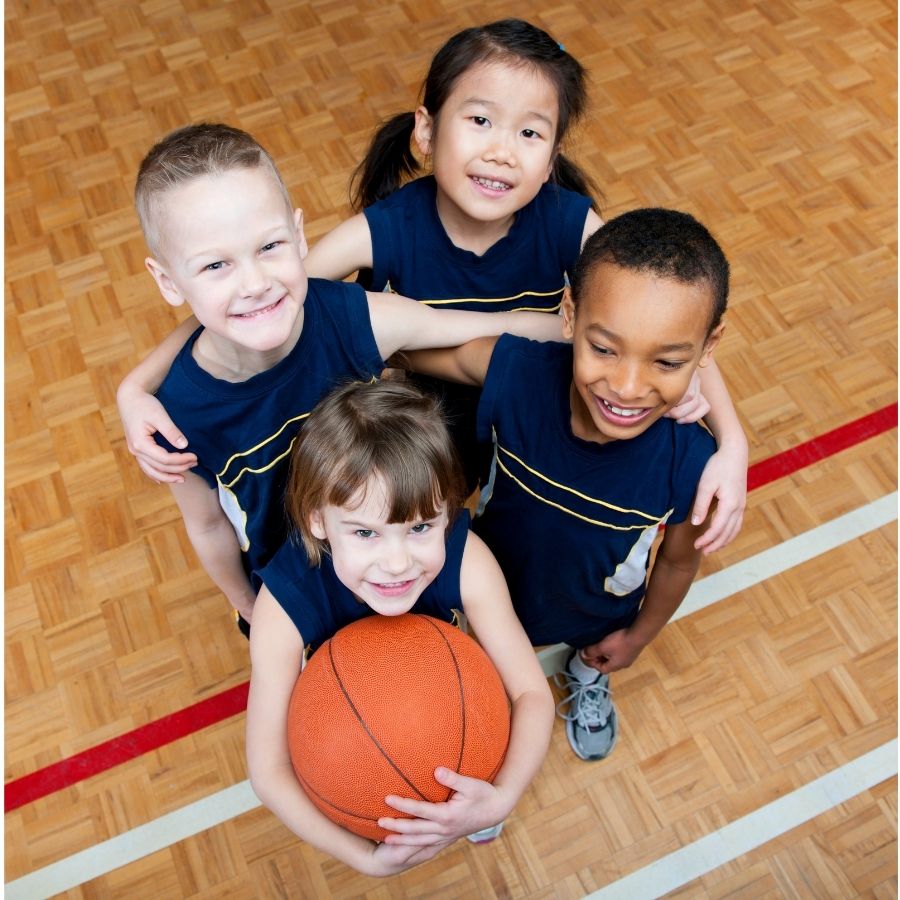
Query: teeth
{"x": 493, "y": 185}
{"x": 623, "y": 412}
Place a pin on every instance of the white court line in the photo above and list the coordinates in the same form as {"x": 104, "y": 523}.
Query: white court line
{"x": 135, "y": 844}
{"x": 755, "y": 829}
{"x": 233, "y": 801}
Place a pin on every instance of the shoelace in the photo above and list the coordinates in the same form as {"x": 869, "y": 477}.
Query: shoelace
{"x": 589, "y": 704}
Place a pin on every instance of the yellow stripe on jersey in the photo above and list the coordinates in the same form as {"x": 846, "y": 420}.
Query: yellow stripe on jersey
{"x": 221, "y": 474}
{"x": 572, "y": 512}
{"x": 559, "y": 290}
{"x": 264, "y": 468}
{"x": 651, "y": 518}
{"x": 259, "y": 446}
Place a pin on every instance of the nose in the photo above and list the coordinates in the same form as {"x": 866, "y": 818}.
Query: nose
{"x": 254, "y": 279}
{"x": 395, "y": 559}
{"x": 500, "y": 148}
{"x": 626, "y": 382}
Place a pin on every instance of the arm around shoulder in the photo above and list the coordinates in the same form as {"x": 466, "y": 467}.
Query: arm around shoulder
{"x": 346, "y": 249}
{"x": 399, "y": 323}
{"x": 725, "y": 475}
{"x": 466, "y": 364}
{"x": 142, "y": 414}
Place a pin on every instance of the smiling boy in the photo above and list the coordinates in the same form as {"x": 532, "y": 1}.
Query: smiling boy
{"x": 586, "y": 468}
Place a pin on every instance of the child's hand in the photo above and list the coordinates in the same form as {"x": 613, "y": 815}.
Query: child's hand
{"x": 143, "y": 415}
{"x": 617, "y": 650}
{"x": 725, "y": 479}
{"x": 693, "y": 406}
{"x": 474, "y": 805}
{"x": 391, "y": 859}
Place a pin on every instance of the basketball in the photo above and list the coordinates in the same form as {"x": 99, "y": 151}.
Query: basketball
{"x": 381, "y": 705}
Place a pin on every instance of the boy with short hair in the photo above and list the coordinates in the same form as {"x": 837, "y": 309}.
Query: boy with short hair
{"x": 586, "y": 469}
{"x": 224, "y": 239}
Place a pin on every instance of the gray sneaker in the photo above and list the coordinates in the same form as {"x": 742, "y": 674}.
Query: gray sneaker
{"x": 591, "y": 723}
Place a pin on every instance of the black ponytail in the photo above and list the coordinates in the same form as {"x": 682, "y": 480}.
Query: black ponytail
{"x": 568, "y": 175}
{"x": 387, "y": 162}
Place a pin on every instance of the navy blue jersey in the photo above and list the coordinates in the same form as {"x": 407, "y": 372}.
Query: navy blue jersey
{"x": 319, "y": 604}
{"x": 527, "y": 269}
{"x": 572, "y": 522}
{"x": 243, "y": 432}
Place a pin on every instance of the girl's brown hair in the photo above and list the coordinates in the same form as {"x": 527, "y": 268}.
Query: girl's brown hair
{"x": 383, "y": 428}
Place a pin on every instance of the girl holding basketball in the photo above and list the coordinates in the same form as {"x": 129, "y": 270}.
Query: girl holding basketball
{"x": 375, "y": 493}
{"x": 497, "y": 225}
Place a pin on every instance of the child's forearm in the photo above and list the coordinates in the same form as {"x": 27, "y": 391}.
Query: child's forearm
{"x": 722, "y": 417}
{"x": 280, "y": 792}
{"x": 529, "y": 740}
{"x": 669, "y": 584}
{"x": 148, "y": 374}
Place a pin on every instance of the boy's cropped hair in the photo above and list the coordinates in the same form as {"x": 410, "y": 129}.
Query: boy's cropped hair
{"x": 664, "y": 242}
{"x": 191, "y": 152}
{"x": 386, "y": 428}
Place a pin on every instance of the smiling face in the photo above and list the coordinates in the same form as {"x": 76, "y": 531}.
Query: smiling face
{"x": 233, "y": 251}
{"x": 385, "y": 564}
{"x": 636, "y": 339}
{"x": 492, "y": 144}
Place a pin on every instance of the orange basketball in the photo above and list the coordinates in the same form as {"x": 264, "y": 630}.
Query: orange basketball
{"x": 381, "y": 705}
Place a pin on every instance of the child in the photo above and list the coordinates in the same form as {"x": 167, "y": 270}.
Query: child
{"x": 374, "y": 492}
{"x": 587, "y": 469}
{"x": 219, "y": 224}
{"x": 498, "y": 225}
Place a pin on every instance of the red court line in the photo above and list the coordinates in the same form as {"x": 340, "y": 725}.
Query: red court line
{"x": 228, "y": 703}
{"x": 125, "y": 747}
{"x": 819, "y": 448}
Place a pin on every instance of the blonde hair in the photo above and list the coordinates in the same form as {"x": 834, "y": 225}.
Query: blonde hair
{"x": 361, "y": 430}
{"x": 188, "y": 153}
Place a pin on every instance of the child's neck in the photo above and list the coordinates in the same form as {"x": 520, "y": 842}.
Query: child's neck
{"x": 467, "y": 233}
{"x": 228, "y": 361}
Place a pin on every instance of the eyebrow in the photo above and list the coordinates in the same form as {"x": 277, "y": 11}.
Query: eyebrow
{"x": 685, "y": 346}
{"x": 531, "y": 113}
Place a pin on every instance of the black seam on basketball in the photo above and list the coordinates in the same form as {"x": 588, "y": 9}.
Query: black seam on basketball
{"x": 310, "y": 790}
{"x": 462, "y": 698}
{"x": 365, "y": 727}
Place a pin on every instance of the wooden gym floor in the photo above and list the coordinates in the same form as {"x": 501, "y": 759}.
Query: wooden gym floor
{"x": 756, "y": 757}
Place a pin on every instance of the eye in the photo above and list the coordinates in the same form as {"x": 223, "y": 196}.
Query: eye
{"x": 481, "y": 121}
{"x": 671, "y": 365}
{"x": 270, "y": 246}
{"x": 364, "y": 533}
{"x": 530, "y": 133}
{"x": 214, "y": 267}
{"x": 421, "y": 528}
{"x": 600, "y": 350}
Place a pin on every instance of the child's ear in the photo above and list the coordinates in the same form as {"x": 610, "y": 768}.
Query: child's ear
{"x": 568, "y": 314}
{"x": 301, "y": 236}
{"x": 167, "y": 287}
{"x": 316, "y": 526}
{"x": 423, "y": 130}
{"x": 714, "y": 337}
